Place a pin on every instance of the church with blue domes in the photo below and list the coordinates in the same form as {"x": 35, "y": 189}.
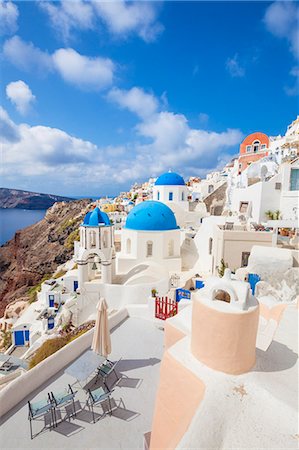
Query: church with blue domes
{"x": 150, "y": 234}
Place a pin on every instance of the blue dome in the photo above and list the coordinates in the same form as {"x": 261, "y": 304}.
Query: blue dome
{"x": 151, "y": 216}
{"x": 96, "y": 218}
{"x": 170, "y": 179}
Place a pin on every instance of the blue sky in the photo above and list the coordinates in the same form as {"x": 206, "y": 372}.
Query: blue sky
{"x": 96, "y": 96}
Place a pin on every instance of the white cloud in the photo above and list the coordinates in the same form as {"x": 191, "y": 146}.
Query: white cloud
{"x": 293, "y": 90}
{"x": 20, "y": 95}
{"x": 234, "y": 67}
{"x": 135, "y": 100}
{"x": 83, "y": 71}
{"x": 9, "y": 14}
{"x": 122, "y": 18}
{"x": 8, "y": 130}
{"x": 25, "y": 56}
{"x": 71, "y": 162}
{"x": 281, "y": 19}
{"x": 69, "y": 16}
{"x": 94, "y": 73}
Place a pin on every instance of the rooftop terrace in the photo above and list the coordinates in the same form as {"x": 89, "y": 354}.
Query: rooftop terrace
{"x": 140, "y": 345}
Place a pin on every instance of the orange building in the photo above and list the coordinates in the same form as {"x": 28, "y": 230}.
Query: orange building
{"x": 254, "y": 147}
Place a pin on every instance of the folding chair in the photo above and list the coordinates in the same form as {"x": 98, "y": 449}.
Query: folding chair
{"x": 42, "y": 408}
{"x": 105, "y": 370}
{"x": 6, "y": 365}
{"x": 62, "y": 399}
{"x": 98, "y": 396}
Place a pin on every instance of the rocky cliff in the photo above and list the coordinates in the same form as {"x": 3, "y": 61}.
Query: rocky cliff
{"x": 36, "y": 251}
{"x": 15, "y": 198}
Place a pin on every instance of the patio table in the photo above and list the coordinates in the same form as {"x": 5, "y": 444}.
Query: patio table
{"x": 84, "y": 366}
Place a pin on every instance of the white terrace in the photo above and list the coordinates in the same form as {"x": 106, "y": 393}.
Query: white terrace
{"x": 139, "y": 343}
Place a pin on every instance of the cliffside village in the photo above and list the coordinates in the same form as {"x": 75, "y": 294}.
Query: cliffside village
{"x": 224, "y": 250}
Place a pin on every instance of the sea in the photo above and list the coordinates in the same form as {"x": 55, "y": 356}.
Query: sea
{"x": 13, "y": 219}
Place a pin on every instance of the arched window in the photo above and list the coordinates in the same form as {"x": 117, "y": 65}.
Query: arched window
{"x": 158, "y": 195}
{"x": 105, "y": 243}
{"x": 183, "y": 196}
{"x": 210, "y": 246}
{"x": 222, "y": 296}
{"x": 170, "y": 247}
{"x": 149, "y": 248}
{"x": 256, "y": 146}
{"x": 128, "y": 246}
{"x": 93, "y": 239}
{"x": 170, "y": 196}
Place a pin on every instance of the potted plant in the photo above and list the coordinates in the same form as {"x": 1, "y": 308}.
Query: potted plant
{"x": 154, "y": 292}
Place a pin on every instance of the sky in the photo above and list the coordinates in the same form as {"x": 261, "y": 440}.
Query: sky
{"x": 98, "y": 95}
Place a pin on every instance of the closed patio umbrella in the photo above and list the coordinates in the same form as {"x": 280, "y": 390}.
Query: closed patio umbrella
{"x": 101, "y": 342}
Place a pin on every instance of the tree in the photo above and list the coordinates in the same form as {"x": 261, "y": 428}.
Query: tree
{"x": 222, "y": 267}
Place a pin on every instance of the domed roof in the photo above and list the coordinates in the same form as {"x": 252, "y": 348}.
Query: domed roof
{"x": 170, "y": 179}
{"x": 96, "y": 218}
{"x": 151, "y": 216}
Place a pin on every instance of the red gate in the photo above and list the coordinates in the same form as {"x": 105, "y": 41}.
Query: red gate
{"x": 165, "y": 308}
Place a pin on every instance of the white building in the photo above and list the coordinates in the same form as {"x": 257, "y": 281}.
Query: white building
{"x": 279, "y": 193}
{"x": 287, "y": 145}
{"x": 171, "y": 188}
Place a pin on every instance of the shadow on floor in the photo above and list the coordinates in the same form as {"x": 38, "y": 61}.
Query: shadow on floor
{"x": 278, "y": 357}
{"x": 130, "y": 364}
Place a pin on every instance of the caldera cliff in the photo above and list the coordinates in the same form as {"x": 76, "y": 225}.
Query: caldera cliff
{"x": 35, "y": 252}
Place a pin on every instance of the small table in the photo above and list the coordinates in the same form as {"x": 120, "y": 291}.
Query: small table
{"x": 85, "y": 366}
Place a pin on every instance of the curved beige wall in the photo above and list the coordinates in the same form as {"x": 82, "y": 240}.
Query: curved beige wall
{"x": 224, "y": 341}
{"x": 179, "y": 395}
{"x": 171, "y": 335}
{"x": 274, "y": 312}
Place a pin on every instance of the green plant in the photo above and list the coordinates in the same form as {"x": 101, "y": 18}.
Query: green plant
{"x": 33, "y": 291}
{"x": 222, "y": 267}
{"x": 47, "y": 348}
{"x": 59, "y": 274}
{"x": 277, "y": 215}
{"x": 6, "y": 339}
{"x": 72, "y": 237}
{"x": 154, "y": 292}
{"x": 68, "y": 223}
{"x": 269, "y": 214}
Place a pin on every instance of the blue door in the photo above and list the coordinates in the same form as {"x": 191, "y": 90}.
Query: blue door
{"x": 170, "y": 196}
{"x": 19, "y": 337}
{"x": 76, "y": 284}
{"x": 253, "y": 279}
{"x": 51, "y": 301}
{"x": 50, "y": 323}
{"x": 199, "y": 284}
{"x": 27, "y": 335}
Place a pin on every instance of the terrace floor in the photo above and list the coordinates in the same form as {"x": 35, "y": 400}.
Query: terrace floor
{"x": 140, "y": 345}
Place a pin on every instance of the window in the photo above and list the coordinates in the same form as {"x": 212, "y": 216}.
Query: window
{"x": 92, "y": 238}
{"x": 244, "y": 260}
{"x": 105, "y": 243}
{"x": 222, "y": 296}
{"x": 183, "y": 196}
{"x": 210, "y": 246}
{"x": 128, "y": 246}
{"x": 149, "y": 248}
{"x": 294, "y": 180}
{"x": 263, "y": 146}
{"x": 210, "y": 188}
{"x": 170, "y": 196}
{"x": 256, "y": 146}
{"x": 170, "y": 248}
{"x": 278, "y": 186}
{"x": 158, "y": 196}
{"x": 243, "y": 207}
{"x": 248, "y": 148}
